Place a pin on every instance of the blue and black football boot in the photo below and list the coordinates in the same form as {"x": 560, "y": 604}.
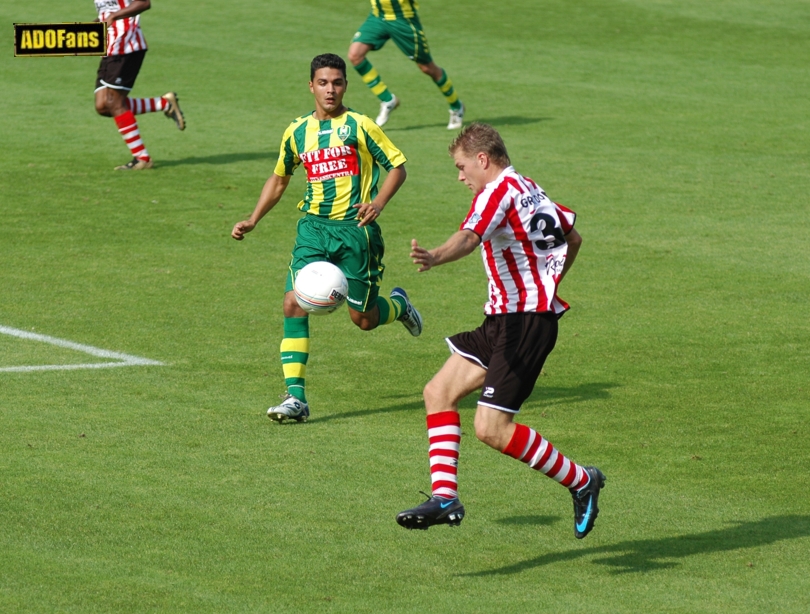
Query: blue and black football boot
{"x": 436, "y": 510}
{"x": 585, "y": 502}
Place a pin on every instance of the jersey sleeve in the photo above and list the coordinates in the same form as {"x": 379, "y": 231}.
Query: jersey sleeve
{"x": 380, "y": 146}
{"x": 567, "y": 217}
{"x": 487, "y": 212}
{"x": 288, "y": 159}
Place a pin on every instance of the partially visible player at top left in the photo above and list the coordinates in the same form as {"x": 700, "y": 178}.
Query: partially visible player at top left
{"x": 126, "y": 48}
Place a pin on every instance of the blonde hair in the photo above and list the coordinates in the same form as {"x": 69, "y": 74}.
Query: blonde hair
{"x": 477, "y": 137}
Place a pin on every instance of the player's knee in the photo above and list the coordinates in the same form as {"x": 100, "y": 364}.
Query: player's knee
{"x": 486, "y": 435}
{"x": 101, "y": 108}
{"x": 356, "y": 55}
{"x": 488, "y": 432}
{"x": 431, "y": 70}
{"x": 365, "y": 320}
{"x": 482, "y": 431}
{"x": 291, "y": 308}
{"x": 433, "y": 395}
{"x": 365, "y": 324}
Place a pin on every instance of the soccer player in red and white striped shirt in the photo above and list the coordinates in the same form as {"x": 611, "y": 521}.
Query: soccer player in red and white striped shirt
{"x": 528, "y": 244}
{"x": 126, "y": 48}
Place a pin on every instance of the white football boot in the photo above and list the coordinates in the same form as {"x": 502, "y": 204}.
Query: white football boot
{"x": 173, "y": 111}
{"x": 290, "y": 408}
{"x": 456, "y": 118}
{"x": 411, "y": 318}
{"x": 136, "y": 164}
{"x": 385, "y": 111}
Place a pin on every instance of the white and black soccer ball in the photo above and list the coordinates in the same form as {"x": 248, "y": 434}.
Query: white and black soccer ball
{"x": 320, "y": 288}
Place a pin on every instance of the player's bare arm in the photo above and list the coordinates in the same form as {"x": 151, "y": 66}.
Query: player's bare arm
{"x": 136, "y": 8}
{"x": 460, "y": 244}
{"x": 574, "y": 240}
{"x": 272, "y": 192}
{"x": 368, "y": 212}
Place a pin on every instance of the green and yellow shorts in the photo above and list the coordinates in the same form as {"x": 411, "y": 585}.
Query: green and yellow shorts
{"x": 358, "y": 252}
{"x": 407, "y": 34}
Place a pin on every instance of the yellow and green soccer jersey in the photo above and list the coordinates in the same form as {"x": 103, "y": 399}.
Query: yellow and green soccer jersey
{"x": 394, "y": 9}
{"x": 342, "y": 157}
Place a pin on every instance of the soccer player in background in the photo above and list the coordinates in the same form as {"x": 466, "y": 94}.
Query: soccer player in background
{"x": 342, "y": 152}
{"x": 528, "y": 244}
{"x": 398, "y": 20}
{"x": 126, "y": 48}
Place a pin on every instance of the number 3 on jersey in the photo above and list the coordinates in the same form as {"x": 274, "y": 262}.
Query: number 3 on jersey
{"x": 552, "y": 234}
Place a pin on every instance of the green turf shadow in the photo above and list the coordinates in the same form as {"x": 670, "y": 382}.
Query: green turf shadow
{"x": 574, "y": 394}
{"x": 512, "y": 120}
{"x": 530, "y": 520}
{"x": 509, "y": 120}
{"x": 360, "y": 413}
{"x": 231, "y": 158}
{"x": 656, "y": 554}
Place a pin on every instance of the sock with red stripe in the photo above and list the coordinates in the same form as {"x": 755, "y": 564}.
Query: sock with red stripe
{"x": 529, "y": 446}
{"x": 444, "y": 437}
{"x": 147, "y": 105}
{"x": 128, "y": 127}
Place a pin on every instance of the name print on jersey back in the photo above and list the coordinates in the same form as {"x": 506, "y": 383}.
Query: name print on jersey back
{"x": 107, "y": 6}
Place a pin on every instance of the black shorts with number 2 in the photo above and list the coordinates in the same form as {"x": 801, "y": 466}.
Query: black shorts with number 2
{"x": 512, "y": 348}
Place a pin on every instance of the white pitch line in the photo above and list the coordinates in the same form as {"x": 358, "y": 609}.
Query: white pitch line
{"x": 97, "y": 365}
{"x": 127, "y": 360}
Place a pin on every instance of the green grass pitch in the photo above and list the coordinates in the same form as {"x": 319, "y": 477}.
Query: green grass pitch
{"x": 678, "y": 131}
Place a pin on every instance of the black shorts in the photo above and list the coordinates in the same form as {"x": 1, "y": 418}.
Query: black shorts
{"x": 119, "y": 71}
{"x": 512, "y": 348}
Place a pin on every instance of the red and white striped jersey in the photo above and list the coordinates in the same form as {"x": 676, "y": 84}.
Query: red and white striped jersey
{"x": 522, "y": 244}
{"x": 124, "y": 35}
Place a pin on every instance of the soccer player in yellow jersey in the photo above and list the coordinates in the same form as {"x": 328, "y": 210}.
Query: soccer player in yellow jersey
{"x": 342, "y": 152}
{"x": 399, "y": 21}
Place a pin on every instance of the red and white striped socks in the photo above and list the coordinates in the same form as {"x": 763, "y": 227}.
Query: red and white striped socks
{"x": 147, "y": 105}
{"x": 526, "y": 445}
{"x": 529, "y": 446}
{"x": 128, "y": 127}
{"x": 444, "y": 437}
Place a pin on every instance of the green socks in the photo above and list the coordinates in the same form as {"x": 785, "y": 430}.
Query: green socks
{"x": 294, "y": 355}
{"x": 371, "y": 78}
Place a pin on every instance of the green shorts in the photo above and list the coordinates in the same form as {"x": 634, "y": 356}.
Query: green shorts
{"x": 407, "y": 34}
{"x": 358, "y": 252}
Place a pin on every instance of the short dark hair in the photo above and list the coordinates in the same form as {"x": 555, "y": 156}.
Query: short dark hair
{"x": 477, "y": 137}
{"x": 327, "y": 60}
